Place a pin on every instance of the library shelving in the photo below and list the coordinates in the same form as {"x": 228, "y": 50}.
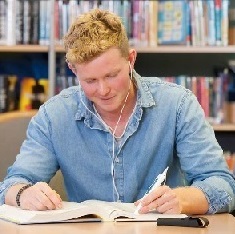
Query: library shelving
{"x": 24, "y": 49}
{"x": 16, "y": 115}
{"x": 169, "y": 49}
{"x": 161, "y": 60}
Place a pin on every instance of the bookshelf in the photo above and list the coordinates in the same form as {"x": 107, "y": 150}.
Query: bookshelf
{"x": 224, "y": 127}
{"x": 16, "y": 115}
{"x": 170, "y": 49}
{"x": 24, "y": 49}
{"x": 175, "y": 49}
{"x": 161, "y": 60}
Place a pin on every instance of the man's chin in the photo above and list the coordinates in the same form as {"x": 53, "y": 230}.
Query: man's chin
{"x": 106, "y": 107}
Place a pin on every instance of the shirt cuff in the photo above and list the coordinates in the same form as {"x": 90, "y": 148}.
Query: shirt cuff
{"x": 4, "y": 186}
{"x": 219, "y": 199}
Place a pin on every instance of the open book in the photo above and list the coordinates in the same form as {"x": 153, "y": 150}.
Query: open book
{"x": 87, "y": 211}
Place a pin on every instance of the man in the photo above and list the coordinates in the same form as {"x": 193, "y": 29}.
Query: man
{"x": 115, "y": 132}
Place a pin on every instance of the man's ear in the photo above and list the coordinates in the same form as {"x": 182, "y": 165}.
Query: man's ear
{"x": 72, "y": 68}
{"x": 132, "y": 57}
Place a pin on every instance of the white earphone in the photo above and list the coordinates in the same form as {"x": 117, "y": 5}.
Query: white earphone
{"x": 131, "y": 70}
{"x": 116, "y": 195}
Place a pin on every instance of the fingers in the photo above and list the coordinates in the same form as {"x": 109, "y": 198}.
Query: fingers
{"x": 162, "y": 199}
{"x": 49, "y": 197}
{"x": 40, "y": 197}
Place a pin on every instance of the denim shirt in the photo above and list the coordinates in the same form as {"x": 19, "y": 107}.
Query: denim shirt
{"x": 166, "y": 128}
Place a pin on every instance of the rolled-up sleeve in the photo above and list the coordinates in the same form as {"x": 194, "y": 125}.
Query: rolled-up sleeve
{"x": 220, "y": 197}
{"x": 36, "y": 160}
{"x": 202, "y": 158}
{"x": 6, "y": 184}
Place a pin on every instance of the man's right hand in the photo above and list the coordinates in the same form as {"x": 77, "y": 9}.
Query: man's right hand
{"x": 37, "y": 197}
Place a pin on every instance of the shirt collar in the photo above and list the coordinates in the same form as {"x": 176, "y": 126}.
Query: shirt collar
{"x": 144, "y": 95}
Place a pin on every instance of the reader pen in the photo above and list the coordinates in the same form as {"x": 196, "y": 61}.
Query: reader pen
{"x": 157, "y": 183}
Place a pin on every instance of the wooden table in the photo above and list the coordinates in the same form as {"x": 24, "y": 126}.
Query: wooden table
{"x": 219, "y": 223}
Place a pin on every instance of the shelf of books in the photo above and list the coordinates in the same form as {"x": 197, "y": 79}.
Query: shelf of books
{"x": 148, "y": 22}
{"x": 224, "y": 127}
{"x": 30, "y": 113}
{"x": 170, "y": 49}
{"x": 153, "y": 27}
{"x": 185, "y": 49}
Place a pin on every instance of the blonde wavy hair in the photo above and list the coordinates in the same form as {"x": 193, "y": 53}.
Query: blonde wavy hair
{"x": 93, "y": 33}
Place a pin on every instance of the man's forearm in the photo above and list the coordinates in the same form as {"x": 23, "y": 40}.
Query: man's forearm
{"x": 192, "y": 199}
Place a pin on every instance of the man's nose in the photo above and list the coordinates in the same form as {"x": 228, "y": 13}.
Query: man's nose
{"x": 104, "y": 88}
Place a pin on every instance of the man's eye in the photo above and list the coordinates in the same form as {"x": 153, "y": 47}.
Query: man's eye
{"x": 90, "y": 81}
{"x": 112, "y": 75}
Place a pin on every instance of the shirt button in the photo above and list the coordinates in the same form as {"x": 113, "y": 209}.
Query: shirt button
{"x": 117, "y": 160}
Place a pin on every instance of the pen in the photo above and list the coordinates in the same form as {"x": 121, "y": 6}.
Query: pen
{"x": 157, "y": 183}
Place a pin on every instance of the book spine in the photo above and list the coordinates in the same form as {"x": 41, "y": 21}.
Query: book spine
{"x": 224, "y": 22}
{"x": 60, "y": 21}
{"x": 135, "y": 23}
{"x": 205, "y": 96}
{"x": 85, "y": 6}
{"x": 153, "y": 24}
{"x": 104, "y": 5}
{"x": 26, "y": 93}
{"x": 48, "y": 16}
{"x": 143, "y": 21}
{"x": 194, "y": 85}
{"x": 232, "y": 114}
{"x": 26, "y": 19}
{"x": 218, "y": 102}
{"x": 44, "y": 26}
{"x": 160, "y": 20}
{"x": 218, "y": 4}
{"x": 192, "y": 23}
{"x": 211, "y": 23}
{"x": 197, "y": 24}
{"x": 232, "y": 23}
{"x": 211, "y": 96}
{"x": 183, "y": 22}
{"x": 201, "y": 23}
{"x": 3, "y": 93}
{"x": 73, "y": 11}
{"x": 57, "y": 22}
{"x": 19, "y": 21}
{"x": 127, "y": 16}
{"x": 230, "y": 159}
{"x": 2, "y": 22}
{"x": 65, "y": 17}
{"x": 11, "y": 93}
{"x": 38, "y": 95}
{"x": 117, "y": 5}
{"x": 42, "y": 21}
{"x": 34, "y": 24}
{"x": 111, "y": 5}
{"x": 188, "y": 83}
{"x": 188, "y": 24}
{"x": 11, "y": 22}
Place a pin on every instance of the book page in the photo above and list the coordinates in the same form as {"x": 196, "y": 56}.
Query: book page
{"x": 149, "y": 217}
{"x": 69, "y": 210}
{"x": 112, "y": 210}
{"x": 121, "y": 212}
